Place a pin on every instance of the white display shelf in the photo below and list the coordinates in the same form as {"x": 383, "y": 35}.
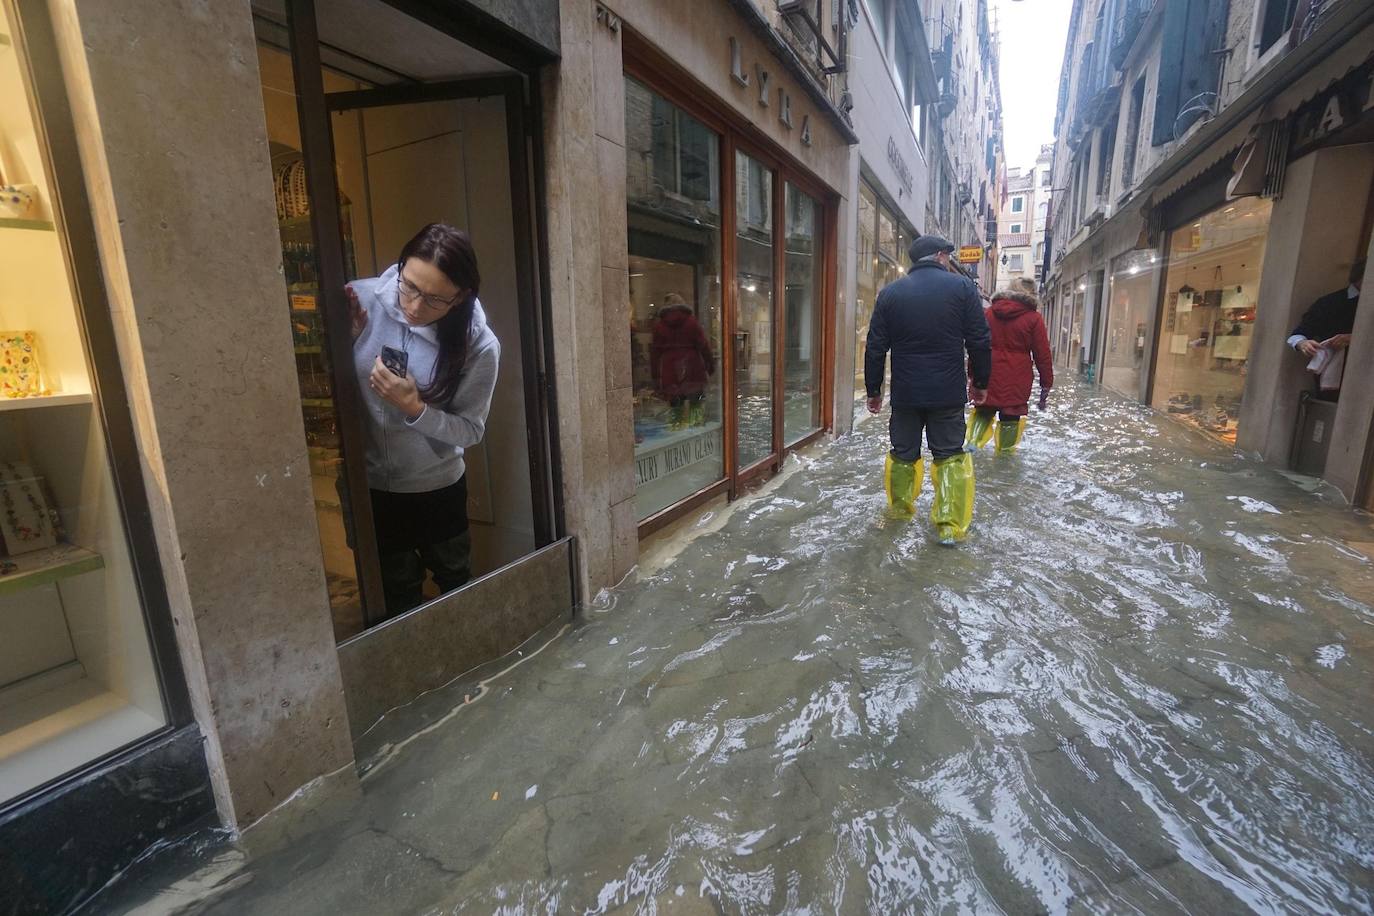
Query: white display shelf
{"x": 43, "y": 567}
{"x": 77, "y": 721}
{"x": 47, "y": 400}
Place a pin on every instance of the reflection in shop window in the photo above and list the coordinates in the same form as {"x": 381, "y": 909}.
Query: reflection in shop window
{"x": 1211, "y": 290}
{"x": 802, "y": 332}
{"x": 674, "y": 311}
{"x": 753, "y": 335}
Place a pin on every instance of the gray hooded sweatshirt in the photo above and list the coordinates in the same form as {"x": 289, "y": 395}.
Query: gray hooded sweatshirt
{"x": 426, "y": 454}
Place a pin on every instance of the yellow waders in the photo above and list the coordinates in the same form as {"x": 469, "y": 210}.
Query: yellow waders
{"x": 1009, "y": 434}
{"x": 952, "y": 511}
{"x": 903, "y": 482}
{"x": 979, "y": 429}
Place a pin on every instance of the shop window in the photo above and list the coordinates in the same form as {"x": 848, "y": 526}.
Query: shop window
{"x": 675, "y": 321}
{"x": 802, "y": 333}
{"x": 1211, "y": 290}
{"x": 1129, "y": 305}
{"x": 753, "y": 334}
{"x": 78, "y": 679}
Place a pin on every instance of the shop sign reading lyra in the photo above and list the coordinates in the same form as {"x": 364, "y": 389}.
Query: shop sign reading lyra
{"x": 784, "y": 98}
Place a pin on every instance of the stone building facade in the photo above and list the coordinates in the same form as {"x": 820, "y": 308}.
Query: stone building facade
{"x": 1196, "y": 142}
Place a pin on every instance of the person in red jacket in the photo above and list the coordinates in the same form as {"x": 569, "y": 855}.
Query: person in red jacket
{"x": 681, "y": 360}
{"x": 1018, "y": 339}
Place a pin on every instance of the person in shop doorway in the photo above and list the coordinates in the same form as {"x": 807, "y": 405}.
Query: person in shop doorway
{"x": 426, "y": 361}
{"x": 1323, "y": 334}
{"x": 682, "y": 362}
{"x": 928, "y": 320}
{"x": 1019, "y": 339}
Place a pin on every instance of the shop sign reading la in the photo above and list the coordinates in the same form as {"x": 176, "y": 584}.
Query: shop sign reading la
{"x": 765, "y": 97}
{"x": 1345, "y": 104}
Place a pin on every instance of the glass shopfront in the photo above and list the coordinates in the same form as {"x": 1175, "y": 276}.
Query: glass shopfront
{"x": 883, "y": 239}
{"x": 78, "y": 680}
{"x": 675, "y": 318}
{"x": 1129, "y": 307}
{"x": 1211, "y": 289}
{"x": 726, "y": 328}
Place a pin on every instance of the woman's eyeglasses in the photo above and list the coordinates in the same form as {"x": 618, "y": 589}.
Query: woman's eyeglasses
{"x": 434, "y": 303}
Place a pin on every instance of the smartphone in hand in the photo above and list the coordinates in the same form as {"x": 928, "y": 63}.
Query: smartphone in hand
{"x": 395, "y": 360}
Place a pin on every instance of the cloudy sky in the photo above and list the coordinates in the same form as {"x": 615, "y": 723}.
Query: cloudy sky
{"x": 1033, "y": 33}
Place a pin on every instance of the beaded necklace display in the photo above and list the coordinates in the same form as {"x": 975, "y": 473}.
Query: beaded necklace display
{"x": 9, "y": 477}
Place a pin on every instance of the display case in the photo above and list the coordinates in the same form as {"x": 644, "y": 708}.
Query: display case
{"x": 77, "y": 675}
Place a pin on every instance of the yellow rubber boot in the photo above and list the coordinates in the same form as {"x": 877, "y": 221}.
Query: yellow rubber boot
{"x": 952, "y": 511}
{"x": 979, "y": 429}
{"x": 903, "y": 482}
{"x": 1009, "y": 434}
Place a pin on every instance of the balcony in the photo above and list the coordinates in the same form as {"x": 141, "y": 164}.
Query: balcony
{"x": 1018, "y": 240}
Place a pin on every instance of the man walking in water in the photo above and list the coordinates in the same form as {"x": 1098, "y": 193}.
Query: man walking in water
{"x": 928, "y": 319}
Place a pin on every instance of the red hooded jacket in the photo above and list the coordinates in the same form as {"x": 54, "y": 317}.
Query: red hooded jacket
{"x": 680, "y": 354}
{"x": 1018, "y": 337}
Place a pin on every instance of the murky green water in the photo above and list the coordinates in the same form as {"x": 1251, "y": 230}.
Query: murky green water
{"x": 1143, "y": 685}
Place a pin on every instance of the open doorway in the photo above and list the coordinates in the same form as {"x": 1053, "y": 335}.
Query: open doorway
{"x": 414, "y": 127}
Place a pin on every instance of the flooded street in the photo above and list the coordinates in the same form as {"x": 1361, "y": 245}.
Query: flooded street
{"x": 1142, "y": 685}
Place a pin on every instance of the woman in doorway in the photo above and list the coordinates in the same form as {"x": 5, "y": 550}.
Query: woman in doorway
{"x": 426, "y": 362}
{"x": 1018, "y": 339}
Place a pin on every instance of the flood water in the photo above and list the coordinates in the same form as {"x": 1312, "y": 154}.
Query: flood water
{"x": 1143, "y": 685}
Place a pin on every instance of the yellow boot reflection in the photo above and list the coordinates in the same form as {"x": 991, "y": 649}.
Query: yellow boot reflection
{"x": 952, "y": 511}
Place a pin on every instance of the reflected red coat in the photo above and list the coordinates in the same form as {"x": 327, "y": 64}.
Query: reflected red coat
{"x": 680, "y": 354}
{"x": 1018, "y": 338}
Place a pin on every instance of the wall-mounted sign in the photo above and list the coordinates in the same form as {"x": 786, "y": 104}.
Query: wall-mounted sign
{"x": 970, "y": 254}
{"x": 1349, "y": 102}
{"x": 894, "y": 159}
{"x": 762, "y": 79}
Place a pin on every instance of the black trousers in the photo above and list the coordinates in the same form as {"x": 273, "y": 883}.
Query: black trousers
{"x": 943, "y": 427}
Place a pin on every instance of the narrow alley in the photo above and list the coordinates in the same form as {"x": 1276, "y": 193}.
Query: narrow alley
{"x": 1142, "y": 685}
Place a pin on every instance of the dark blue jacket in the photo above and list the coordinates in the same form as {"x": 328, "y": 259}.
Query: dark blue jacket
{"x": 928, "y": 319}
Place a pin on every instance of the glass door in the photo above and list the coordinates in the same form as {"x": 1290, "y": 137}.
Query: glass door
{"x": 752, "y": 336}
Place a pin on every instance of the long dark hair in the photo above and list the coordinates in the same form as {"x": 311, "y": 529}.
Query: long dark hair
{"x": 450, "y": 250}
